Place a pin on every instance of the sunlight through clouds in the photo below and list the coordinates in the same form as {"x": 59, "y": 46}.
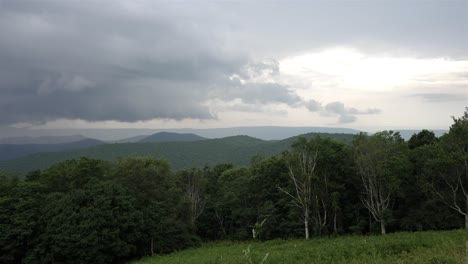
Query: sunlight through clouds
{"x": 352, "y": 69}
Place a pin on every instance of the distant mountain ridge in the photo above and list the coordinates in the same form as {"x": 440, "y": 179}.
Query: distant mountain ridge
{"x": 11, "y": 151}
{"x": 238, "y": 150}
{"x": 41, "y": 140}
{"x": 171, "y": 137}
{"x": 120, "y": 135}
{"x": 129, "y": 139}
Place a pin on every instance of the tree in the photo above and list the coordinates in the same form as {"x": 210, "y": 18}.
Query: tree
{"x": 152, "y": 184}
{"x": 97, "y": 224}
{"x": 448, "y": 169}
{"x": 234, "y": 207}
{"x": 193, "y": 183}
{"x": 301, "y": 165}
{"x": 270, "y": 203}
{"x": 20, "y": 206}
{"x": 425, "y": 137}
{"x": 381, "y": 160}
{"x": 210, "y": 222}
{"x": 328, "y": 183}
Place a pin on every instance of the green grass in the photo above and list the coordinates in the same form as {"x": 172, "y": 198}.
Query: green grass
{"x": 435, "y": 247}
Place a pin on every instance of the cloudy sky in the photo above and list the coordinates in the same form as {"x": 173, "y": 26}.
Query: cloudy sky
{"x": 368, "y": 65}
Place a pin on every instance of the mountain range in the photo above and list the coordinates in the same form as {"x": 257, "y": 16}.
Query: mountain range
{"x": 11, "y": 151}
{"x": 238, "y": 150}
{"x": 41, "y": 140}
{"x": 171, "y": 137}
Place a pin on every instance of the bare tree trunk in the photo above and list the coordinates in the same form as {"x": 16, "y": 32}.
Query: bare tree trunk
{"x": 382, "y": 227}
{"x": 306, "y": 223}
{"x": 152, "y": 247}
{"x": 221, "y": 222}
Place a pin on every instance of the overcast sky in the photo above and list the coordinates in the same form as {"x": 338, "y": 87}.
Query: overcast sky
{"x": 166, "y": 64}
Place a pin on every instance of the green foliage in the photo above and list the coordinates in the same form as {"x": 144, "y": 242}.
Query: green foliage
{"x": 97, "y": 211}
{"x": 20, "y": 211}
{"x": 382, "y": 161}
{"x": 92, "y": 211}
{"x": 425, "y": 137}
{"x": 98, "y": 224}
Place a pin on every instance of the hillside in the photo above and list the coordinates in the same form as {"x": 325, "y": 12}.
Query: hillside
{"x": 42, "y": 140}
{"x": 129, "y": 139}
{"x": 419, "y": 247}
{"x": 171, "y": 137}
{"x": 11, "y": 151}
{"x": 238, "y": 150}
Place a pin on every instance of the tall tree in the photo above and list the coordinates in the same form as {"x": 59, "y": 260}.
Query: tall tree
{"x": 381, "y": 160}
{"x": 327, "y": 183}
{"x": 152, "y": 184}
{"x": 301, "y": 166}
{"x": 448, "y": 169}
{"x": 193, "y": 183}
{"x": 272, "y": 204}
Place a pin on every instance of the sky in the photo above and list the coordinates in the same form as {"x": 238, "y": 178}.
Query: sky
{"x": 369, "y": 65}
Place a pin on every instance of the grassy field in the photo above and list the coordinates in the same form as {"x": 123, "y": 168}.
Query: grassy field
{"x": 420, "y": 247}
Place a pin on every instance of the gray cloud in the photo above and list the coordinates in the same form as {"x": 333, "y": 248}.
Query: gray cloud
{"x": 129, "y": 61}
{"x": 313, "y": 105}
{"x": 347, "y": 114}
{"x": 64, "y": 82}
{"x": 259, "y": 93}
{"x": 430, "y": 28}
{"x": 140, "y": 60}
{"x": 264, "y": 68}
{"x": 441, "y": 97}
{"x": 123, "y": 62}
{"x": 336, "y": 108}
{"x": 343, "y": 119}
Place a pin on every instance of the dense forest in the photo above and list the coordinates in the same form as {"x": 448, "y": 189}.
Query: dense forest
{"x": 96, "y": 211}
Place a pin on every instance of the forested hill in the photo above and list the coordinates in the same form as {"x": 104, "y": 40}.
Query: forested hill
{"x": 238, "y": 150}
{"x": 171, "y": 137}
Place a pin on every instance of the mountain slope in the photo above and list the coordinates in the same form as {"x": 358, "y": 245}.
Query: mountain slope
{"x": 238, "y": 150}
{"x": 11, "y": 151}
{"x": 129, "y": 139}
{"x": 42, "y": 140}
{"x": 171, "y": 137}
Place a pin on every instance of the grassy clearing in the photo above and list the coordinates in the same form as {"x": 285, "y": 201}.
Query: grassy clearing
{"x": 420, "y": 247}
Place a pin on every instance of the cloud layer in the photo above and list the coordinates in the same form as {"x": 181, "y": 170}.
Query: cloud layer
{"x": 131, "y": 61}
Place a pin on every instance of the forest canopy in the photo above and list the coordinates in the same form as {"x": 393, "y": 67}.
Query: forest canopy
{"x": 112, "y": 211}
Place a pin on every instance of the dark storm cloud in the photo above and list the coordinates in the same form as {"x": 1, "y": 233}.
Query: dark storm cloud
{"x": 120, "y": 60}
{"x": 140, "y": 60}
{"x": 105, "y": 61}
